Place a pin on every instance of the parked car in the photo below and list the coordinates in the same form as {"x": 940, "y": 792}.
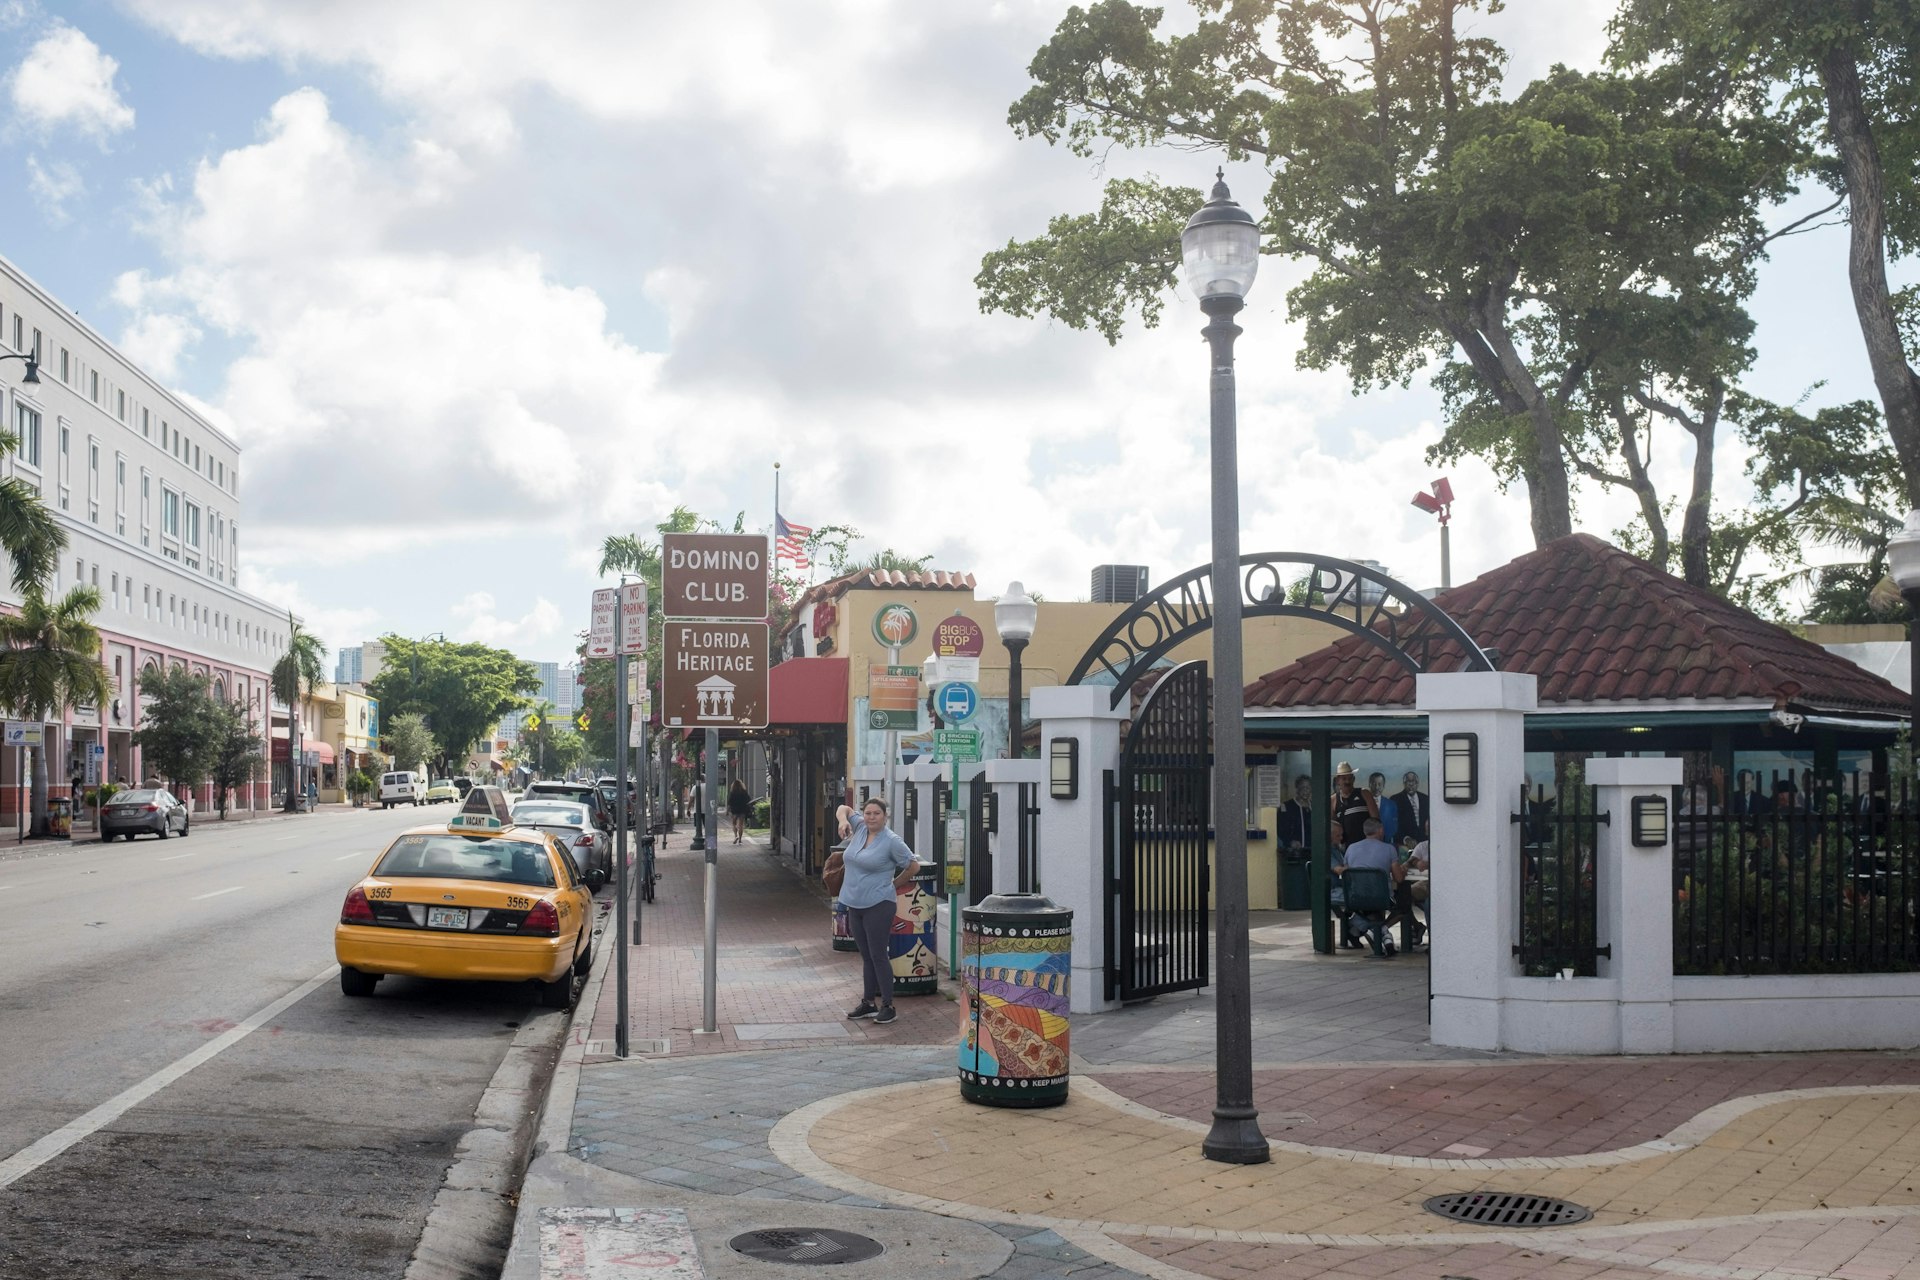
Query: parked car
{"x": 441, "y": 791}
{"x": 573, "y": 826}
{"x": 585, "y": 793}
{"x": 473, "y": 899}
{"x": 403, "y": 787}
{"x": 464, "y": 785}
{"x": 155, "y": 811}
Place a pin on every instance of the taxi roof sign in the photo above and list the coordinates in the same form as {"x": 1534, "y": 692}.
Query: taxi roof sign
{"x": 485, "y": 809}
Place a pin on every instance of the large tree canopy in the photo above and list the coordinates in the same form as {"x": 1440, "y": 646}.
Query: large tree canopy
{"x": 1539, "y": 244}
{"x": 1846, "y": 75}
{"x": 461, "y": 689}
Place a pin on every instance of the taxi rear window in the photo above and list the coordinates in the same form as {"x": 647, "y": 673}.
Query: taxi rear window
{"x": 467, "y": 858}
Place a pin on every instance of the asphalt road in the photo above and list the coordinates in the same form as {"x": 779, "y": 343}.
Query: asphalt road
{"x": 309, "y": 1145}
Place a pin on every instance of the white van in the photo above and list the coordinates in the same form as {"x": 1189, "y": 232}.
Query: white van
{"x": 402, "y": 788}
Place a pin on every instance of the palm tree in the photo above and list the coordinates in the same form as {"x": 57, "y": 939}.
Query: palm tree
{"x": 49, "y": 659}
{"x": 293, "y": 676}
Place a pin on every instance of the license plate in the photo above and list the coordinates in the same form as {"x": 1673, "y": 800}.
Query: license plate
{"x": 446, "y": 917}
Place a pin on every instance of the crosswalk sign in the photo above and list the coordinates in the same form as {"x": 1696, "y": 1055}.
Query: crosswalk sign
{"x": 583, "y": 720}
{"x": 533, "y": 723}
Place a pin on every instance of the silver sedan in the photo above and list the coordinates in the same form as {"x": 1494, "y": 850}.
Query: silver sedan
{"x": 155, "y": 812}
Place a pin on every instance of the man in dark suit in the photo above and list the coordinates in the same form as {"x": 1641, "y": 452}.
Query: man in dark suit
{"x": 1748, "y": 800}
{"x": 1412, "y": 811}
{"x": 1296, "y": 816}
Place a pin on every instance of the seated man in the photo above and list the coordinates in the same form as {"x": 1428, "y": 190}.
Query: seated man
{"x": 1372, "y": 871}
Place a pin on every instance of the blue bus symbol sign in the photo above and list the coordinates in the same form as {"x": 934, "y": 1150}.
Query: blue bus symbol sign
{"x": 956, "y": 702}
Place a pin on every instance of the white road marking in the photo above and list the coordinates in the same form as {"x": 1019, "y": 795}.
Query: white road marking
{"x": 343, "y": 857}
{"x": 216, "y": 893}
{"x": 31, "y": 1157}
{"x": 173, "y": 857}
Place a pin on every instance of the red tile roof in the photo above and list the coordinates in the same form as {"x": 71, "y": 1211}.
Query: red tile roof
{"x": 879, "y": 579}
{"x": 1597, "y": 625}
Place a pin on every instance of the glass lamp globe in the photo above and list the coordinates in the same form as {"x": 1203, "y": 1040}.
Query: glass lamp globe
{"x": 1903, "y": 554}
{"x": 1220, "y": 247}
{"x": 1014, "y": 613}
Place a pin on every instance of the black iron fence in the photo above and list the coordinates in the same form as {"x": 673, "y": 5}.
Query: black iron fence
{"x": 1558, "y": 883}
{"x": 1798, "y": 876}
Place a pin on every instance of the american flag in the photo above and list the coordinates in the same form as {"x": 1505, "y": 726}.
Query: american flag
{"x": 790, "y": 542}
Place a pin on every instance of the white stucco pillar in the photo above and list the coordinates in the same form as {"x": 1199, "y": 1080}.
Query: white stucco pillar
{"x": 1476, "y": 862}
{"x": 921, "y": 778}
{"x": 1073, "y": 832}
{"x": 1005, "y": 777}
{"x": 1636, "y": 900}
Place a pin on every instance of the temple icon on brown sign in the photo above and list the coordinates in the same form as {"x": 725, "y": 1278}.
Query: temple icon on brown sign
{"x": 716, "y": 698}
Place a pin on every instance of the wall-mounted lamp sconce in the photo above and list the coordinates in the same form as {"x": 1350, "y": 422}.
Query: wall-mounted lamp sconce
{"x": 990, "y": 811}
{"x": 913, "y": 805}
{"x": 1649, "y": 822}
{"x": 1460, "y": 768}
{"x": 1063, "y": 768}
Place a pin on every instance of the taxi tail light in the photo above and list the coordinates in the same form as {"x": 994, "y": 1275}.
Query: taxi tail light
{"x": 542, "y": 919}
{"x": 356, "y": 909}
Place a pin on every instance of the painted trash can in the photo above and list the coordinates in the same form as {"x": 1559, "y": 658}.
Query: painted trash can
{"x": 913, "y": 948}
{"x": 60, "y": 816}
{"x": 842, "y": 930}
{"x": 1016, "y": 956}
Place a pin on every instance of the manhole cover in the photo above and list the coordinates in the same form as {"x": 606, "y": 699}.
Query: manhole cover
{"x": 1507, "y": 1209}
{"x": 806, "y": 1246}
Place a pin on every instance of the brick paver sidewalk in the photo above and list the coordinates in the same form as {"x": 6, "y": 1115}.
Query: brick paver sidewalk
{"x": 1759, "y": 1167}
{"x": 780, "y": 982}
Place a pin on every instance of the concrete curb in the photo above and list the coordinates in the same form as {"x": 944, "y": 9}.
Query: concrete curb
{"x": 552, "y": 1117}
{"x": 473, "y": 1219}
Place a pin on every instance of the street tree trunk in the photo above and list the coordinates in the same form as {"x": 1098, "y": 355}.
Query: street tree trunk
{"x": 1853, "y": 140}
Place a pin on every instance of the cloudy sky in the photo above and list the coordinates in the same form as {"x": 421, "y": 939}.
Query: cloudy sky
{"x": 475, "y": 288}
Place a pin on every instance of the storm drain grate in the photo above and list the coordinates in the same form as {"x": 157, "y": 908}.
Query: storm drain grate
{"x": 806, "y": 1246}
{"x": 1507, "y": 1209}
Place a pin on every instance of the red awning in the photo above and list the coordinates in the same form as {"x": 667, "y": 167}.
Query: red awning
{"x": 808, "y": 691}
{"x": 323, "y": 750}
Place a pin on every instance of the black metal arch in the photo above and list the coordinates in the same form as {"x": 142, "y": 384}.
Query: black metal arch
{"x": 1352, "y": 597}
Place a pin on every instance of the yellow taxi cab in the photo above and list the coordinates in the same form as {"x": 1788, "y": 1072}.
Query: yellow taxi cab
{"x": 477, "y": 898}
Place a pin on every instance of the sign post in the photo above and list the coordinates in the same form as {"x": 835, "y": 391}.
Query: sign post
{"x": 955, "y": 745}
{"x": 620, "y": 877}
{"x": 713, "y": 593}
{"x": 630, "y": 638}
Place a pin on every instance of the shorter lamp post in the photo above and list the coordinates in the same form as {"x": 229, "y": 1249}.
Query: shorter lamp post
{"x": 1903, "y": 562}
{"x": 1014, "y": 614}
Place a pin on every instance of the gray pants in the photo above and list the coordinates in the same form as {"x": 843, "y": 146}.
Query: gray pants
{"x": 871, "y": 927}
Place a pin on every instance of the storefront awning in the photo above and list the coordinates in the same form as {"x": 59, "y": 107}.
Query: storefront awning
{"x": 808, "y": 691}
{"x": 322, "y": 750}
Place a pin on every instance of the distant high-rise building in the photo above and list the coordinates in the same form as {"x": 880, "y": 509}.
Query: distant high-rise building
{"x": 559, "y": 685}
{"x": 346, "y": 668}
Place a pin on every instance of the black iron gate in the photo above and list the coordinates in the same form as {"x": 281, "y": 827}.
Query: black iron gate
{"x": 1559, "y": 884}
{"x": 979, "y": 856}
{"x": 1156, "y": 838}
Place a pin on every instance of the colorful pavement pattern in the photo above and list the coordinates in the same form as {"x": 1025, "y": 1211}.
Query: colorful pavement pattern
{"x": 1753, "y": 1167}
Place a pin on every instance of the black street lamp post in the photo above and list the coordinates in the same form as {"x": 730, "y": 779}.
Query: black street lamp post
{"x": 1014, "y": 614}
{"x": 1221, "y": 251}
{"x": 1903, "y": 563}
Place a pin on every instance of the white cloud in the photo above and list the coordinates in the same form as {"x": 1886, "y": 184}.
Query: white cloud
{"x": 337, "y": 627}
{"x": 540, "y": 629}
{"x": 155, "y": 342}
{"x": 53, "y": 186}
{"x": 66, "y": 81}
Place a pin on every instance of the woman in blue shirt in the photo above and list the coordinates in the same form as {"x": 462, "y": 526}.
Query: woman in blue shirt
{"x": 879, "y": 865}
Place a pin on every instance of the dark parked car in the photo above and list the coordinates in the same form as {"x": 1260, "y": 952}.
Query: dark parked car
{"x": 156, "y": 812}
{"x": 584, "y": 793}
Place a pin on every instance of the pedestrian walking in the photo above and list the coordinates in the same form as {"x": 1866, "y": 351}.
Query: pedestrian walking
{"x": 878, "y": 866}
{"x": 738, "y": 802}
